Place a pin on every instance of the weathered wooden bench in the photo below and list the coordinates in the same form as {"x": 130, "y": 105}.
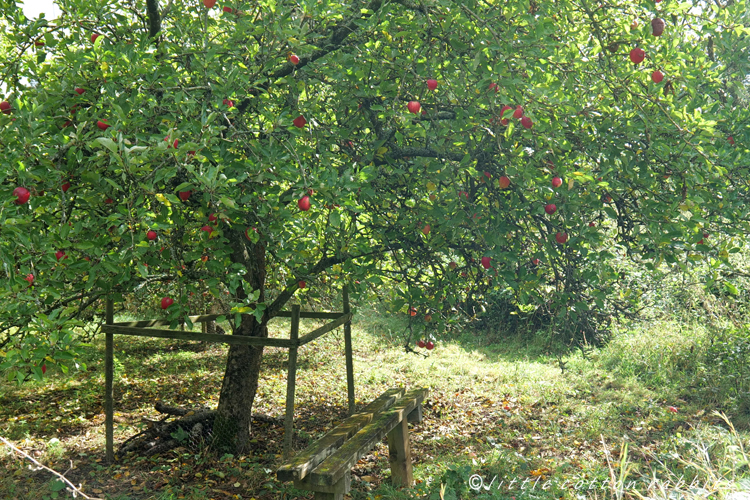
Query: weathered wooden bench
{"x": 325, "y": 467}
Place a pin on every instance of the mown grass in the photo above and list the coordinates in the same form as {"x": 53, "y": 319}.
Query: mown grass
{"x": 500, "y": 408}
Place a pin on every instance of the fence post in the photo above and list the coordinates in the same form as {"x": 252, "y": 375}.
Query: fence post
{"x": 290, "y": 385}
{"x": 348, "y": 349}
{"x": 108, "y": 383}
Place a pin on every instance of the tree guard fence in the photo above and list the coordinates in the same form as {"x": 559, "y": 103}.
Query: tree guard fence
{"x": 145, "y": 328}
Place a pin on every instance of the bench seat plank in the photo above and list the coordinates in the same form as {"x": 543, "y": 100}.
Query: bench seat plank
{"x": 309, "y": 459}
{"x": 343, "y": 459}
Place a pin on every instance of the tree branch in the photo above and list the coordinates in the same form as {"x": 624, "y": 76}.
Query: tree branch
{"x": 154, "y": 19}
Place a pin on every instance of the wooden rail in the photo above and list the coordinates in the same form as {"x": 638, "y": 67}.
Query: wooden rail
{"x": 144, "y": 328}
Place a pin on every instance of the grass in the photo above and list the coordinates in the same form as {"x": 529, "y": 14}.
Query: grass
{"x": 501, "y": 412}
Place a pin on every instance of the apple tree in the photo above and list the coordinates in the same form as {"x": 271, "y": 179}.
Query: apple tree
{"x": 447, "y": 151}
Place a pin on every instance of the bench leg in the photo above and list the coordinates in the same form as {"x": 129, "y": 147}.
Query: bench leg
{"x": 400, "y": 455}
{"x": 335, "y": 492}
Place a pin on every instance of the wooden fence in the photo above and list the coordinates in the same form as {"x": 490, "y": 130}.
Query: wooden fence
{"x": 146, "y": 328}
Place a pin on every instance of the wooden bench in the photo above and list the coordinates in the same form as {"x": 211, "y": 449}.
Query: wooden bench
{"x": 325, "y": 467}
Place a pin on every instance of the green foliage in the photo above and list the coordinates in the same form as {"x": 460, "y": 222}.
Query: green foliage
{"x": 202, "y": 121}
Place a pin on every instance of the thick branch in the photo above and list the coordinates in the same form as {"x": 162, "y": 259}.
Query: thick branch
{"x": 154, "y": 19}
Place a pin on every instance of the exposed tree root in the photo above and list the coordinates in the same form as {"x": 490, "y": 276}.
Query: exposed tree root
{"x": 193, "y": 426}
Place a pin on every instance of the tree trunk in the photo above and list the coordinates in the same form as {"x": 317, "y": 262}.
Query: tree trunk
{"x": 233, "y": 416}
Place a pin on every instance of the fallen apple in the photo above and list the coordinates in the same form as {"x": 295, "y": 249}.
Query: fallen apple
{"x": 414, "y": 106}
{"x": 429, "y": 345}
{"x": 550, "y": 208}
{"x": 420, "y": 343}
{"x": 503, "y": 182}
{"x": 22, "y": 195}
{"x": 166, "y": 302}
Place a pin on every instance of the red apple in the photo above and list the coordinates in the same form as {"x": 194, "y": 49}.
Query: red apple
{"x": 550, "y": 208}
{"x": 60, "y": 255}
{"x": 637, "y": 55}
{"x": 151, "y": 235}
{"x": 503, "y": 182}
{"x": 209, "y": 3}
{"x": 5, "y": 107}
{"x": 518, "y": 113}
{"x": 414, "y": 106}
{"x": 207, "y": 229}
{"x": 426, "y": 229}
{"x": 80, "y": 91}
{"x": 44, "y": 369}
{"x": 657, "y": 26}
{"x": 432, "y": 84}
{"x": 412, "y": 311}
{"x": 109, "y": 201}
{"x": 304, "y": 203}
{"x": 65, "y": 186}
{"x": 302, "y": 284}
{"x": 535, "y": 262}
{"x": 526, "y": 122}
{"x": 94, "y": 37}
{"x": 607, "y": 199}
{"x": 494, "y": 86}
{"x": 173, "y": 145}
{"x": 657, "y": 76}
{"x": 429, "y": 345}
{"x": 428, "y": 317}
{"x": 452, "y": 265}
{"x": 556, "y": 182}
{"x": 228, "y": 10}
{"x": 228, "y": 103}
{"x": 212, "y": 218}
{"x": 294, "y": 59}
{"x": 299, "y": 122}
{"x": 592, "y": 224}
{"x": 184, "y": 195}
{"x": 730, "y": 139}
{"x": 486, "y": 262}
{"x": 30, "y": 278}
{"x": 561, "y": 238}
{"x": 38, "y": 43}
{"x": 420, "y": 343}
{"x": 22, "y": 195}
{"x": 504, "y": 121}
{"x": 166, "y": 302}
{"x": 67, "y": 123}
{"x": 102, "y": 124}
